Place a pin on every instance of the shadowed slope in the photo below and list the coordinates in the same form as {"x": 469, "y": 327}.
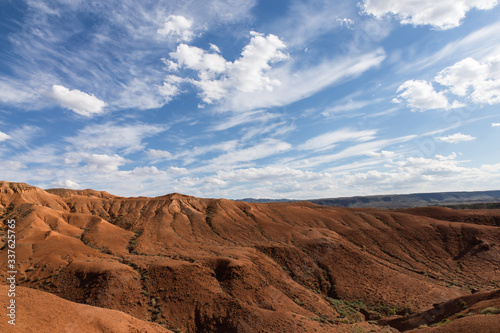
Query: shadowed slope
{"x": 41, "y": 312}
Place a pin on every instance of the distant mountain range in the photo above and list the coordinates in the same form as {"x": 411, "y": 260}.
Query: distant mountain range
{"x": 404, "y": 200}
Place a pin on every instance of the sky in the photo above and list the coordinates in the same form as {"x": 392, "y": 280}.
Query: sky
{"x": 251, "y": 98}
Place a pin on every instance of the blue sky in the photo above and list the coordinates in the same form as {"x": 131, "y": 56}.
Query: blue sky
{"x": 242, "y": 98}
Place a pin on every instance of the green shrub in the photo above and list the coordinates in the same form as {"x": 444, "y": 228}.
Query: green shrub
{"x": 490, "y": 311}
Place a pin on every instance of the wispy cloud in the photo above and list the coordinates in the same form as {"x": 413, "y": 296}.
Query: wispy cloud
{"x": 299, "y": 84}
{"x": 102, "y": 62}
{"x": 329, "y": 140}
{"x": 250, "y": 154}
{"x": 479, "y": 44}
{"x": 350, "y": 105}
{"x": 243, "y": 118}
{"x": 110, "y": 137}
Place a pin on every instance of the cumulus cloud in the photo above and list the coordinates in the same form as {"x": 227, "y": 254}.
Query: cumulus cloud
{"x": 178, "y": 27}
{"x": 177, "y": 171}
{"x": 77, "y": 101}
{"x": 248, "y": 70}
{"x": 457, "y": 137}
{"x": 329, "y": 140}
{"x": 67, "y": 183}
{"x": 170, "y": 87}
{"x": 217, "y": 76}
{"x": 193, "y": 57}
{"x": 146, "y": 171}
{"x": 103, "y": 162}
{"x": 495, "y": 124}
{"x": 477, "y": 81}
{"x": 480, "y": 80}
{"x": 441, "y": 15}
{"x": 420, "y": 96}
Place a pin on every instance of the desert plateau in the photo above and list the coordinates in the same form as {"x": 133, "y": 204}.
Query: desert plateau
{"x": 89, "y": 261}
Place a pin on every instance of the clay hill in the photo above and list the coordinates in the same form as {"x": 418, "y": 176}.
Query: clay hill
{"x": 90, "y": 261}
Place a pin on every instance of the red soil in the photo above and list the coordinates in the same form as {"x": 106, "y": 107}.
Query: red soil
{"x": 206, "y": 265}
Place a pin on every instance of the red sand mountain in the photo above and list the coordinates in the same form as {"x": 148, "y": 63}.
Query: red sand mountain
{"x": 213, "y": 265}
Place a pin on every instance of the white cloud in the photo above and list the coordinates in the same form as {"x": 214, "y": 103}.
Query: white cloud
{"x": 170, "y": 87}
{"x": 77, "y": 101}
{"x": 470, "y": 77}
{"x": 345, "y": 21}
{"x": 268, "y": 173}
{"x": 457, "y": 137}
{"x": 103, "y": 163}
{"x": 329, "y": 140}
{"x": 495, "y": 124}
{"x": 288, "y": 187}
{"x": 420, "y": 96}
{"x": 193, "y": 57}
{"x": 158, "y": 154}
{"x": 244, "y": 118}
{"x": 177, "y": 26}
{"x": 146, "y": 171}
{"x": 117, "y": 59}
{"x": 352, "y": 151}
{"x": 216, "y": 76}
{"x": 109, "y": 136}
{"x": 350, "y": 105}
{"x": 299, "y": 84}
{"x": 12, "y": 165}
{"x": 67, "y": 183}
{"x": 442, "y": 15}
{"x": 479, "y": 44}
{"x": 267, "y": 148}
{"x": 145, "y": 93}
{"x": 214, "y": 48}
{"x": 414, "y": 174}
{"x": 383, "y": 154}
{"x": 4, "y": 136}
{"x": 16, "y": 93}
{"x": 177, "y": 171}
{"x": 248, "y": 70}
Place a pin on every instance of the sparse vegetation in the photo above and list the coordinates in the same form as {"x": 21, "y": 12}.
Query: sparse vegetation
{"x": 357, "y": 329}
{"x": 490, "y": 310}
{"x": 133, "y": 242}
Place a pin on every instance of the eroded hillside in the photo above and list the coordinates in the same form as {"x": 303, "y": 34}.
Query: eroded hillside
{"x": 212, "y": 265}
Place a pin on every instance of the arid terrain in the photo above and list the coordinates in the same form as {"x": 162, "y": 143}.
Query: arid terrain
{"x": 89, "y": 261}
